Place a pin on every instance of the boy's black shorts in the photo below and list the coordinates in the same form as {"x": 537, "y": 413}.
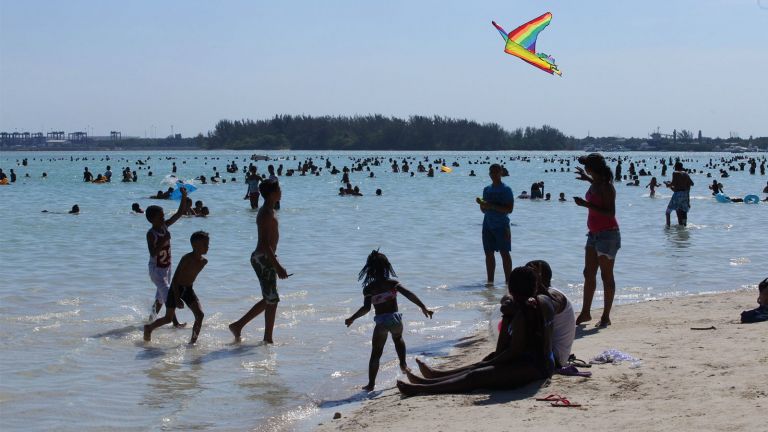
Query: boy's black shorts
{"x": 186, "y": 294}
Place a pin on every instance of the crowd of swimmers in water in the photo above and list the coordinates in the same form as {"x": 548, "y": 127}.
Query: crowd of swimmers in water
{"x": 538, "y": 322}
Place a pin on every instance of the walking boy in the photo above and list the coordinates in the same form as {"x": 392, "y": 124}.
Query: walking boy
{"x": 159, "y": 245}
{"x": 265, "y": 263}
{"x": 181, "y": 290}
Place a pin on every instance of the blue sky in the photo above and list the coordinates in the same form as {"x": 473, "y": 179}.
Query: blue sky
{"x": 141, "y": 66}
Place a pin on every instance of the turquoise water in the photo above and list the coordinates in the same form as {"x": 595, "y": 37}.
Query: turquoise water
{"x": 75, "y": 290}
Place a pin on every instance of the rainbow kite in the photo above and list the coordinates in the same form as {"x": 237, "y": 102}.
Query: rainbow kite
{"x": 521, "y": 42}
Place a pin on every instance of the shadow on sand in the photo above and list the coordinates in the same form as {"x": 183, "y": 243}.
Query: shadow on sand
{"x": 505, "y": 396}
{"x": 357, "y": 397}
{"x": 583, "y": 330}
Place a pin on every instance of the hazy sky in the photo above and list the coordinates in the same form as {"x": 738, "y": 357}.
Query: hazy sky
{"x": 628, "y": 66}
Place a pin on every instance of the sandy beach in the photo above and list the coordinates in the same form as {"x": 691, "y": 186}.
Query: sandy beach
{"x": 704, "y": 380}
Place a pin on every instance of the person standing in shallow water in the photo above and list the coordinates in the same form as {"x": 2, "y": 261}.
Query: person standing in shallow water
{"x": 265, "y": 263}
{"x": 680, "y": 202}
{"x": 380, "y": 291}
{"x": 253, "y": 180}
{"x": 497, "y": 203}
{"x": 603, "y": 238}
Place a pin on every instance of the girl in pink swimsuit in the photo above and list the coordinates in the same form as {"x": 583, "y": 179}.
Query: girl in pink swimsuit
{"x": 603, "y": 238}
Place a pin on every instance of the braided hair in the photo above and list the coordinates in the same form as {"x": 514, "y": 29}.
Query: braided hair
{"x": 377, "y": 268}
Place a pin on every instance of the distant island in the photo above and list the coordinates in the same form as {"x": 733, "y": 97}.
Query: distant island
{"x": 378, "y": 133}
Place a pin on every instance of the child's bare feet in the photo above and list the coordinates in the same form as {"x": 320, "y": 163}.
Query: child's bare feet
{"x": 180, "y": 325}
{"x": 405, "y": 388}
{"x": 583, "y": 317}
{"x": 425, "y": 370}
{"x": 193, "y": 339}
{"x": 604, "y": 322}
{"x": 414, "y": 378}
{"x": 369, "y": 387}
{"x": 147, "y": 333}
{"x": 235, "y": 332}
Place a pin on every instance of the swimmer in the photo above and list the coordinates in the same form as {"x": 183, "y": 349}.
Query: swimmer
{"x": 716, "y": 187}
{"x": 75, "y": 210}
{"x": 653, "y": 184}
{"x": 136, "y": 208}
{"x": 198, "y": 209}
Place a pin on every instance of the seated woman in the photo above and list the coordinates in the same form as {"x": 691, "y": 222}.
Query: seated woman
{"x": 564, "y": 323}
{"x": 523, "y": 355}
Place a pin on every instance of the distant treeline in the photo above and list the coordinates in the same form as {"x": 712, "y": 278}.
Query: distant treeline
{"x": 377, "y": 132}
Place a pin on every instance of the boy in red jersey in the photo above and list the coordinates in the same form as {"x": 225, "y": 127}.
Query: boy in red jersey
{"x": 159, "y": 245}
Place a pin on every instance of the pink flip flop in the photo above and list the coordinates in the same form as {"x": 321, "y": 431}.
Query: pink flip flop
{"x": 565, "y": 403}
{"x": 551, "y": 398}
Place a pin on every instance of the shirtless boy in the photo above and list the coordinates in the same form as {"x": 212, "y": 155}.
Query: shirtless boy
{"x": 181, "y": 291}
{"x": 265, "y": 263}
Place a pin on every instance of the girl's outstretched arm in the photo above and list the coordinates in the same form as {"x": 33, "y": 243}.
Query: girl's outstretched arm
{"x": 412, "y": 297}
{"x": 360, "y": 312}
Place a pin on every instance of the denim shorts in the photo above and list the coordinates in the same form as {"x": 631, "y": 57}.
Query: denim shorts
{"x": 606, "y": 243}
{"x": 497, "y": 239}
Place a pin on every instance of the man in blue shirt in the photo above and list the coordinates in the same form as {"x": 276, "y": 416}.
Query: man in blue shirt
{"x": 497, "y": 204}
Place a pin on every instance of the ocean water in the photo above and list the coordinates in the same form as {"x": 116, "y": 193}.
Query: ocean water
{"x": 74, "y": 290}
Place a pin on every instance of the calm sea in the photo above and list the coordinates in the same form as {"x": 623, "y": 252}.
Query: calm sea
{"x": 74, "y": 290}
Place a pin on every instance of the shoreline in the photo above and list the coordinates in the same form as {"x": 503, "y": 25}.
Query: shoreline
{"x": 687, "y": 379}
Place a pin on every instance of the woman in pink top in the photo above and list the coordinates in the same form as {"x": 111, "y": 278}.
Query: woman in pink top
{"x": 603, "y": 239}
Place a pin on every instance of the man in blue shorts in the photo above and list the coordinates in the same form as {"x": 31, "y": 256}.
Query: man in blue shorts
{"x": 497, "y": 203}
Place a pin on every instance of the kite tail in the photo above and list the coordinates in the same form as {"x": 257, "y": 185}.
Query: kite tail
{"x": 501, "y": 30}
